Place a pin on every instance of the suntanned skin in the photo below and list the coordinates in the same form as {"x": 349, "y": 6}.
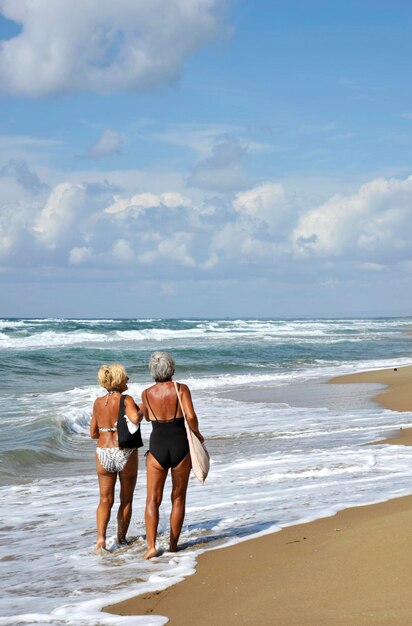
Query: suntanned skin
{"x": 105, "y": 412}
{"x": 162, "y": 399}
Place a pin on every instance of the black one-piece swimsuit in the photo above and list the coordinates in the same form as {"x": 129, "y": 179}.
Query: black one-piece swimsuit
{"x": 168, "y": 440}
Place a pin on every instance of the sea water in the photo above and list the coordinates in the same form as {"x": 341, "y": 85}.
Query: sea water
{"x": 285, "y": 447}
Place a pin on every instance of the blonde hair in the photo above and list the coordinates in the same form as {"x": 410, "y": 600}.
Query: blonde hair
{"x": 111, "y": 376}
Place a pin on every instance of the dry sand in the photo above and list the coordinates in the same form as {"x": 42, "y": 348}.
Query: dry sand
{"x": 352, "y": 569}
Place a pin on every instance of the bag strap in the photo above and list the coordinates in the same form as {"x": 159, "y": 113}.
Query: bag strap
{"x": 179, "y": 400}
{"x": 121, "y": 408}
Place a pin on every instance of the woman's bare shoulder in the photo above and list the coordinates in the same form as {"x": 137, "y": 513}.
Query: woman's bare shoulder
{"x": 149, "y": 389}
{"x": 128, "y": 399}
{"x": 183, "y": 387}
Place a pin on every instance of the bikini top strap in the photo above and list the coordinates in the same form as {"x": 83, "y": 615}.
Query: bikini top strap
{"x": 148, "y": 404}
{"x": 120, "y": 414}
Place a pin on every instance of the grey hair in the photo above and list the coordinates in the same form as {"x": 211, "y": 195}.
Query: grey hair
{"x": 161, "y": 366}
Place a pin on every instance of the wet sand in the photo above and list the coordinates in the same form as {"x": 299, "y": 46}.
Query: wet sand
{"x": 397, "y": 396}
{"x": 351, "y": 569}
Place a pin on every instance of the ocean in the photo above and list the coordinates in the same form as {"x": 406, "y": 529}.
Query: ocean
{"x": 285, "y": 447}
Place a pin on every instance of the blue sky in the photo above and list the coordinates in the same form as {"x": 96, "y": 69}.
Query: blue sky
{"x": 177, "y": 158}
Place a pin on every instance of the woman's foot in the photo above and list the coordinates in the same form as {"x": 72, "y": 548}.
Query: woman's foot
{"x": 173, "y": 548}
{"x": 151, "y": 552}
{"x": 100, "y": 546}
{"x": 122, "y": 541}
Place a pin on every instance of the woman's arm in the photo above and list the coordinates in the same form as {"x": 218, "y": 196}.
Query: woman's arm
{"x": 144, "y": 408}
{"x": 190, "y": 411}
{"x": 132, "y": 410}
{"x": 94, "y": 430}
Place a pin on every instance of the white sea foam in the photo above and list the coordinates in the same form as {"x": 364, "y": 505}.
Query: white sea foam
{"x": 50, "y": 339}
{"x": 12, "y": 324}
{"x": 299, "y": 456}
{"x": 73, "y": 407}
{"x": 252, "y": 488}
{"x": 273, "y": 331}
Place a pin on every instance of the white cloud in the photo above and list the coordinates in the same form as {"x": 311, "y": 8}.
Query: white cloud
{"x": 253, "y": 233}
{"x": 108, "y": 143}
{"x": 6, "y": 244}
{"x": 371, "y": 267}
{"x": 148, "y": 257}
{"x": 17, "y": 215}
{"x": 268, "y": 207}
{"x": 175, "y": 249}
{"x": 83, "y": 224}
{"x": 58, "y": 217}
{"x": 90, "y": 45}
{"x": 223, "y": 170}
{"x": 211, "y": 262}
{"x": 173, "y": 200}
{"x": 261, "y": 201}
{"x": 374, "y": 224}
{"x": 70, "y": 218}
{"x": 234, "y": 241}
{"x": 123, "y": 251}
{"x": 148, "y": 200}
{"x": 119, "y": 205}
{"x": 80, "y": 256}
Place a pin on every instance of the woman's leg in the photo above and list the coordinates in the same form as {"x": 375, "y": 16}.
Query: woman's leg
{"x": 156, "y": 476}
{"x": 180, "y": 479}
{"x": 107, "y": 481}
{"x": 127, "y": 477}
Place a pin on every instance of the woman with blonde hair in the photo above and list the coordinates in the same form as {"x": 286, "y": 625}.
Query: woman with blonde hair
{"x": 168, "y": 448}
{"x": 111, "y": 459}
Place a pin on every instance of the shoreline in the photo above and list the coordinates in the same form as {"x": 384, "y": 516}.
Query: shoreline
{"x": 396, "y": 396}
{"x": 349, "y": 568}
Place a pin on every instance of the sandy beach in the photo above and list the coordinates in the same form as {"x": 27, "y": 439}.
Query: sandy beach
{"x": 350, "y": 569}
{"x": 397, "y": 396}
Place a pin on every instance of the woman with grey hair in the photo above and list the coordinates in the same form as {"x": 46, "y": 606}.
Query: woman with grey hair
{"x": 168, "y": 447}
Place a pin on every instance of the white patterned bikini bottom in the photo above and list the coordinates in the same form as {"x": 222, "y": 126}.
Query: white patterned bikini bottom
{"x": 114, "y": 459}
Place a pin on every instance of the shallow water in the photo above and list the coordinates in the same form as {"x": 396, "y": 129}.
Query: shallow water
{"x": 285, "y": 446}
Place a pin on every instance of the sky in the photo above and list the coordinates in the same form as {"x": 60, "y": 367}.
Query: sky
{"x": 205, "y": 158}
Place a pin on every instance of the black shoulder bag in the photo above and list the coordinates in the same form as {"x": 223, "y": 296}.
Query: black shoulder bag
{"x": 124, "y": 436}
